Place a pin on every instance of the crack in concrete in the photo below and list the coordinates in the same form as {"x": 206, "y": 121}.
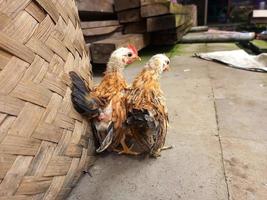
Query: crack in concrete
{"x": 220, "y": 142}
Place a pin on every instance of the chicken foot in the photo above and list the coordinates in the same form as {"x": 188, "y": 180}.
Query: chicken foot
{"x": 126, "y": 149}
{"x": 167, "y": 148}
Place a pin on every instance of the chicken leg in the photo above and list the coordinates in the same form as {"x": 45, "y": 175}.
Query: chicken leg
{"x": 125, "y": 148}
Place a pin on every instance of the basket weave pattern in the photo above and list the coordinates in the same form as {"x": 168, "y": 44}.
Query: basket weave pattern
{"x": 44, "y": 144}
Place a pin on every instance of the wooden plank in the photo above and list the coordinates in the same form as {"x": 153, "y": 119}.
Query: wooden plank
{"x": 100, "y": 30}
{"x": 120, "y": 5}
{"x": 147, "y": 2}
{"x": 96, "y": 24}
{"x": 102, "y": 6}
{"x": 259, "y": 20}
{"x": 170, "y": 37}
{"x": 259, "y": 14}
{"x": 165, "y": 22}
{"x": 101, "y": 50}
{"x": 135, "y": 27}
{"x": 92, "y": 10}
{"x": 95, "y": 38}
{"x": 164, "y": 8}
{"x": 127, "y": 16}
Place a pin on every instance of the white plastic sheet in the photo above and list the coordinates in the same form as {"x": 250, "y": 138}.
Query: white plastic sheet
{"x": 238, "y": 59}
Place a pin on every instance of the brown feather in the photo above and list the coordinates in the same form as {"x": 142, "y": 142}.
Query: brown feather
{"x": 147, "y": 95}
{"x": 112, "y": 89}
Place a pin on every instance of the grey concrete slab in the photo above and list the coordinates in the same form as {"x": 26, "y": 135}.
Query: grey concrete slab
{"x": 189, "y": 171}
{"x": 232, "y": 83}
{"x": 246, "y": 167}
{"x": 242, "y": 118}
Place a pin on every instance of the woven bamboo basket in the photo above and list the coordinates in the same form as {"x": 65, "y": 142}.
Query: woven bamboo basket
{"x": 44, "y": 144}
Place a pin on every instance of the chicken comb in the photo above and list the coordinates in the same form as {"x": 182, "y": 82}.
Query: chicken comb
{"x": 133, "y": 48}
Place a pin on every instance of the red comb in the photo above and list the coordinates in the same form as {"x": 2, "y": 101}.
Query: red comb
{"x": 132, "y": 47}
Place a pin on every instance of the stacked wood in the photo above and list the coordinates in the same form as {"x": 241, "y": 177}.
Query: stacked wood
{"x": 170, "y": 37}
{"x": 132, "y": 15}
{"x": 129, "y": 15}
{"x": 101, "y": 50}
{"x": 45, "y": 145}
{"x": 97, "y": 30}
{"x": 163, "y": 21}
{"x": 155, "y": 9}
{"x": 95, "y": 9}
{"x": 259, "y": 17}
{"x": 167, "y": 21}
{"x": 136, "y": 27}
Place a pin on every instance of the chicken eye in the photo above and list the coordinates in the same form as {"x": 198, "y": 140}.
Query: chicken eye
{"x": 167, "y": 62}
{"x": 130, "y": 54}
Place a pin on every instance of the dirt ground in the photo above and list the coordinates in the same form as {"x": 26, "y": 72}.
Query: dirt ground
{"x": 218, "y": 125}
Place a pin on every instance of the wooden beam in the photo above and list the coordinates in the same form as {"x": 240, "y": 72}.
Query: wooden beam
{"x": 147, "y": 2}
{"x": 100, "y": 30}
{"x": 135, "y": 27}
{"x": 157, "y": 9}
{"x": 120, "y": 5}
{"x": 166, "y": 22}
{"x": 93, "y": 10}
{"x": 95, "y": 38}
{"x": 95, "y": 24}
{"x": 127, "y": 16}
{"x": 170, "y": 37}
{"x": 102, "y": 6}
{"x": 101, "y": 50}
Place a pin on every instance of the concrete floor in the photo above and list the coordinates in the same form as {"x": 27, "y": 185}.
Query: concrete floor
{"x": 218, "y": 125}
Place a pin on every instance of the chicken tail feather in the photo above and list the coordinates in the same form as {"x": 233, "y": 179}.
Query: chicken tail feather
{"x": 107, "y": 141}
{"x": 140, "y": 118}
{"x": 80, "y": 96}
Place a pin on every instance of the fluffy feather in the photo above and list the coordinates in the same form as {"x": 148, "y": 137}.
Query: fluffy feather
{"x": 147, "y": 111}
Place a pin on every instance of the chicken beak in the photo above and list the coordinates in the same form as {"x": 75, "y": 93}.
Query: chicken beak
{"x": 167, "y": 68}
{"x": 138, "y": 58}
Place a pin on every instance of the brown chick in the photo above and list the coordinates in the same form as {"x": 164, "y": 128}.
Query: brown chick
{"x": 147, "y": 112}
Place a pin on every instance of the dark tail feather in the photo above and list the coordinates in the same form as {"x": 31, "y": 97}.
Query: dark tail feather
{"x": 107, "y": 140}
{"x": 140, "y": 119}
{"x": 81, "y": 99}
